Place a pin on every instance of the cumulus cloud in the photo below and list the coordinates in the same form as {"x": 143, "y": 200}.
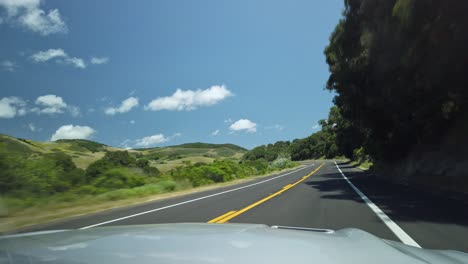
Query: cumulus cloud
{"x": 59, "y": 56}
{"x": 8, "y": 65}
{"x": 73, "y": 132}
{"x": 126, "y": 105}
{"x": 29, "y": 14}
{"x": 52, "y": 104}
{"x": 190, "y": 99}
{"x": 244, "y": 124}
{"x": 215, "y": 133}
{"x": 99, "y": 60}
{"x": 153, "y": 140}
{"x": 11, "y": 107}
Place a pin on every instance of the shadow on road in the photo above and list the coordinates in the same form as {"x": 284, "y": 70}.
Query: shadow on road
{"x": 399, "y": 202}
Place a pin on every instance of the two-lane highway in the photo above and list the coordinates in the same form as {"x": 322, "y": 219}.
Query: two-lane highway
{"x": 317, "y": 195}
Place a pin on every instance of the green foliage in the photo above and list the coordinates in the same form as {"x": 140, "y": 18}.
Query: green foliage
{"x": 33, "y": 175}
{"x": 321, "y": 144}
{"x": 260, "y": 165}
{"x": 282, "y": 163}
{"x": 80, "y": 144}
{"x": 218, "y": 171}
{"x": 399, "y": 69}
{"x": 117, "y": 178}
{"x": 38, "y": 175}
{"x": 268, "y": 152}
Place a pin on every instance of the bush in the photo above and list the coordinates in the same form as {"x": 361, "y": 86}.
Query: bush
{"x": 119, "y": 178}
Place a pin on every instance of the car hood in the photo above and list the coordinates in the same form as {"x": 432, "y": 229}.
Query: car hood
{"x": 212, "y": 243}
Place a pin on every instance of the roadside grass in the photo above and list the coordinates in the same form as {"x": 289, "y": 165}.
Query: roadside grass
{"x": 16, "y": 214}
{"x": 364, "y": 165}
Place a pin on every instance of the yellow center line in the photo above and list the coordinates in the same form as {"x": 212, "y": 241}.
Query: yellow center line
{"x": 221, "y": 217}
{"x": 228, "y": 216}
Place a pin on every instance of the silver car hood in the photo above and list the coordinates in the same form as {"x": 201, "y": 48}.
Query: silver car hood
{"x": 212, "y": 243}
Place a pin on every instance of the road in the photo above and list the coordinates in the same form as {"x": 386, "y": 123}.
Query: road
{"x": 316, "y": 195}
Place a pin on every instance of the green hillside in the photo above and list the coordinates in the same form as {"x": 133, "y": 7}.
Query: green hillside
{"x": 84, "y": 152}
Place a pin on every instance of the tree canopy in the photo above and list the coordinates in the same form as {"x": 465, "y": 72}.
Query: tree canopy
{"x": 398, "y": 67}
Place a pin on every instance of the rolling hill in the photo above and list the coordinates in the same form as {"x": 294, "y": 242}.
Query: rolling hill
{"x": 85, "y": 152}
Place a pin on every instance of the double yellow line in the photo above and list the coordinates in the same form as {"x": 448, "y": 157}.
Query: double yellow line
{"x": 231, "y": 214}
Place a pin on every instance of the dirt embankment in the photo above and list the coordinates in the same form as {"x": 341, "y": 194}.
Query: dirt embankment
{"x": 439, "y": 167}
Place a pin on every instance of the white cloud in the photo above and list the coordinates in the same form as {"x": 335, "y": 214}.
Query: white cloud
{"x": 126, "y": 105}
{"x": 99, "y": 60}
{"x": 43, "y": 56}
{"x": 215, "y": 133}
{"x": 51, "y": 104}
{"x": 8, "y": 65}
{"x": 190, "y": 99}
{"x": 244, "y": 124}
{"x": 28, "y": 14}
{"x": 132, "y": 122}
{"x": 77, "y": 62}
{"x": 73, "y": 132}
{"x": 60, "y": 56}
{"x": 11, "y": 107}
{"x": 151, "y": 140}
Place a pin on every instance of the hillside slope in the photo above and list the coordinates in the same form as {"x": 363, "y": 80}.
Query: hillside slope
{"x": 85, "y": 152}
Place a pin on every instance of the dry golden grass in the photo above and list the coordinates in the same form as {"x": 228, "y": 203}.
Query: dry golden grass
{"x": 172, "y": 164}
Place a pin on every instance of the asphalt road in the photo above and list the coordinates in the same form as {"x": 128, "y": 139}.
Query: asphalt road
{"x": 316, "y": 195}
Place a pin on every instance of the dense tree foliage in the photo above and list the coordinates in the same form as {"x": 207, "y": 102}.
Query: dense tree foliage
{"x": 268, "y": 152}
{"x": 399, "y": 68}
{"x": 43, "y": 175}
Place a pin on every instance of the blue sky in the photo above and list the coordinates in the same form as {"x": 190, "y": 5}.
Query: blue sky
{"x": 156, "y": 73}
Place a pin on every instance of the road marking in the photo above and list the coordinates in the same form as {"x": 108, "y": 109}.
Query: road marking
{"x": 194, "y": 200}
{"x": 287, "y": 186}
{"x": 402, "y": 235}
{"x": 245, "y": 209}
{"x": 221, "y": 217}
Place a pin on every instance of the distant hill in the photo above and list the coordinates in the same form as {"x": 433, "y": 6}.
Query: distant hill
{"x": 209, "y": 145}
{"x": 84, "y": 152}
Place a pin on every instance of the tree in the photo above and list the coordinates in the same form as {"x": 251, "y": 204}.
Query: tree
{"x": 398, "y": 67}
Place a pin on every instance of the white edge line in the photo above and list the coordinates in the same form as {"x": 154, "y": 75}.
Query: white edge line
{"x": 402, "y": 235}
{"x": 193, "y": 200}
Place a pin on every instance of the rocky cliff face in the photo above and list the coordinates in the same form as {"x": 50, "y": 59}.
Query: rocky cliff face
{"x": 442, "y": 166}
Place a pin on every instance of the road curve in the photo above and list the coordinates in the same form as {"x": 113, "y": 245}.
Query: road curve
{"x": 316, "y": 195}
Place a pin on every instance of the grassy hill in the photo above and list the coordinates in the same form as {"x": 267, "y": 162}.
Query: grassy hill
{"x": 85, "y": 152}
{"x": 42, "y": 181}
